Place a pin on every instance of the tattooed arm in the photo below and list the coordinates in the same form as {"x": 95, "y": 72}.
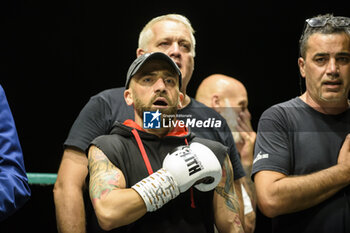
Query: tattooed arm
{"x": 226, "y": 205}
{"x": 114, "y": 204}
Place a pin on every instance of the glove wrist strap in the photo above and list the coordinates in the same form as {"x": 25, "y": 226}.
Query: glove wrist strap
{"x": 157, "y": 189}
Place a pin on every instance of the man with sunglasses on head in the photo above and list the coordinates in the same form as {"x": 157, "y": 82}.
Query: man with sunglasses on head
{"x": 301, "y": 164}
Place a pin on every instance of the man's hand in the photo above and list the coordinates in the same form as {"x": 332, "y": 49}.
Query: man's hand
{"x": 195, "y": 165}
{"x": 344, "y": 154}
{"x": 245, "y": 147}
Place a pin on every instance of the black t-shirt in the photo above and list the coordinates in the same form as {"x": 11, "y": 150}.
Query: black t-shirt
{"x": 295, "y": 139}
{"x": 104, "y": 109}
{"x": 177, "y": 215}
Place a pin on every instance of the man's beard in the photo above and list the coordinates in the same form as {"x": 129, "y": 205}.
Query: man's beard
{"x": 168, "y": 113}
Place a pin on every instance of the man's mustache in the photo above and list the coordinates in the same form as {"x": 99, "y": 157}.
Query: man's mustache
{"x": 163, "y": 96}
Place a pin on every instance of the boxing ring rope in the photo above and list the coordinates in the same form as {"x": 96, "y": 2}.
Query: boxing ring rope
{"x": 41, "y": 178}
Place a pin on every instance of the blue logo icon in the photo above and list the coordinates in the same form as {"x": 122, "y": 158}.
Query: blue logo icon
{"x": 151, "y": 120}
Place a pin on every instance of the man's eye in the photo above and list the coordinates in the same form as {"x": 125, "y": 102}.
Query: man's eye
{"x": 343, "y": 60}
{"x": 163, "y": 44}
{"x": 146, "y": 80}
{"x": 321, "y": 60}
{"x": 170, "y": 81}
{"x": 186, "y": 46}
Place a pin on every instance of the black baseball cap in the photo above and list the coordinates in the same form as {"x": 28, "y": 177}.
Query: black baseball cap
{"x": 138, "y": 62}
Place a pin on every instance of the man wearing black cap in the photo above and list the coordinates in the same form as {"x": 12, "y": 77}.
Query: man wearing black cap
{"x": 159, "y": 179}
{"x": 173, "y": 35}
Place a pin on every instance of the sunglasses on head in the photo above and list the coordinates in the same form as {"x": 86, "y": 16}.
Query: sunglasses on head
{"x": 338, "y": 21}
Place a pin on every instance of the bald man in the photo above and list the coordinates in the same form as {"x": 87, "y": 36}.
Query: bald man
{"x": 229, "y": 97}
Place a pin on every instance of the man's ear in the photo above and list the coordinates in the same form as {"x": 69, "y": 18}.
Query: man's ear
{"x": 139, "y": 52}
{"x": 128, "y": 97}
{"x": 215, "y": 102}
{"x": 301, "y": 64}
{"x": 181, "y": 98}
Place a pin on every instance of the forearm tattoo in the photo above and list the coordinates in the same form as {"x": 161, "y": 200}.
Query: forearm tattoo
{"x": 227, "y": 190}
{"x": 103, "y": 175}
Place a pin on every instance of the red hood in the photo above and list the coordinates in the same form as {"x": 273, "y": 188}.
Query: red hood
{"x": 175, "y": 132}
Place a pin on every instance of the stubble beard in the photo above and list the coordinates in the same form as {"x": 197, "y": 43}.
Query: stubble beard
{"x": 169, "y": 113}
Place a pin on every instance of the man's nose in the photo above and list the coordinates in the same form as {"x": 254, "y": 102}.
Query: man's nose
{"x": 332, "y": 67}
{"x": 174, "y": 50}
{"x": 159, "y": 85}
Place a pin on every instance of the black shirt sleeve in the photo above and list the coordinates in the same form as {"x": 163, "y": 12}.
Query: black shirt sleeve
{"x": 94, "y": 119}
{"x": 272, "y": 150}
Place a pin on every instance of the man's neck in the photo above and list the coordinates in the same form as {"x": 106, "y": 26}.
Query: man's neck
{"x": 329, "y": 108}
{"x": 161, "y": 132}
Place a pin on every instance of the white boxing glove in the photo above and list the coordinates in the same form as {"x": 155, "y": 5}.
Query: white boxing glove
{"x": 212, "y": 167}
{"x": 194, "y": 165}
{"x": 186, "y": 166}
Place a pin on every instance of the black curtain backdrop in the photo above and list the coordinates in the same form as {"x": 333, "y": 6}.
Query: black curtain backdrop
{"x": 54, "y": 55}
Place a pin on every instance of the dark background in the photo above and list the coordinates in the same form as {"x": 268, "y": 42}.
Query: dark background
{"x": 56, "y": 54}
